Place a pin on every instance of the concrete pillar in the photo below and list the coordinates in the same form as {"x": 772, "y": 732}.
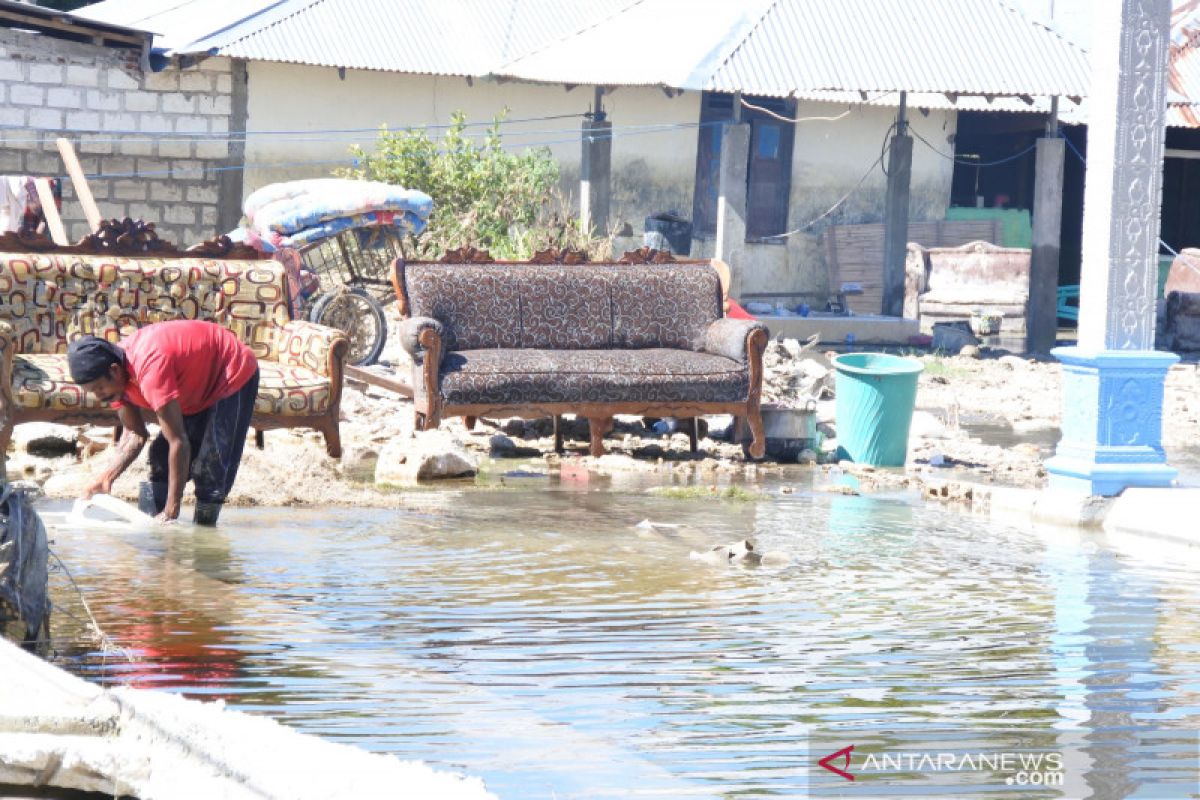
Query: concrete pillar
{"x": 1113, "y": 380}
{"x": 1042, "y": 322}
{"x": 231, "y": 182}
{"x": 595, "y": 175}
{"x": 731, "y": 202}
{"x": 895, "y": 215}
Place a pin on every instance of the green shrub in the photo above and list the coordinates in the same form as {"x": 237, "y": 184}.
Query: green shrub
{"x": 483, "y": 195}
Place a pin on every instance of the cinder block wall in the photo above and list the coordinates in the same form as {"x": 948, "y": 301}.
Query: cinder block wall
{"x": 122, "y": 121}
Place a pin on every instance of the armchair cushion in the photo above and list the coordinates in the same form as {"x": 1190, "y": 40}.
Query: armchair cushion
{"x": 306, "y": 344}
{"x": 42, "y": 381}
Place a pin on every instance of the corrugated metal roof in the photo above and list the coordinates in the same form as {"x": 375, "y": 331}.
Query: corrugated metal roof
{"x": 794, "y": 46}
{"x": 178, "y": 23}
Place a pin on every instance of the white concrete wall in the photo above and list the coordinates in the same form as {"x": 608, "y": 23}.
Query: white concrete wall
{"x": 652, "y": 171}
{"x": 96, "y": 96}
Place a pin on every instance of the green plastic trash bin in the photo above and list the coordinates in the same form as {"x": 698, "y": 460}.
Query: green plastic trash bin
{"x": 876, "y": 394}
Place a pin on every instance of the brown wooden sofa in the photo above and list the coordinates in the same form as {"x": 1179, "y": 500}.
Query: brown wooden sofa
{"x": 49, "y": 296}
{"x": 546, "y": 338}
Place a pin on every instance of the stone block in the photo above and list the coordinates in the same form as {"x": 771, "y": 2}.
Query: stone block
{"x": 83, "y": 76}
{"x": 178, "y": 103}
{"x": 208, "y": 216}
{"x": 118, "y": 122}
{"x": 155, "y": 123}
{"x": 43, "y": 163}
{"x": 136, "y": 146}
{"x": 141, "y": 102}
{"x": 212, "y": 149}
{"x": 225, "y": 84}
{"x": 129, "y": 190}
{"x": 180, "y": 215}
{"x": 45, "y": 119}
{"x": 117, "y": 166}
{"x": 83, "y": 121}
{"x": 215, "y": 104}
{"x": 164, "y": 192}
{"x": 103, "y": 101}
{"x": 59, "y": 97}
{"x": 12, "y": 71}
{"x": 46, "y": 73}
{"x": 191, "y": 125}
{"x": 187, "y": 170}
{"x": 153, "y": 168}
{"x": 218, "y": 125}
{"x": 203, "y": 195}
{"x": 95, "y": 146}
{"x": 195, "y": 81}
{"x": 174, "y": 148}
{"x": 14, "y": 117}
{"x": 122, "y": 81}
{"x": 143, "y": 211}
{"x": 24, "y": 95}
{"x": 165, "y": 81}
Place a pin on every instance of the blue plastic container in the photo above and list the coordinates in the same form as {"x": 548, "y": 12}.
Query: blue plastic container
{"x": 876, "y": 394}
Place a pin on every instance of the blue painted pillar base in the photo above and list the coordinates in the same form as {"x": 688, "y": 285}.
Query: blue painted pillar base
{"x": 1112, "y": 421}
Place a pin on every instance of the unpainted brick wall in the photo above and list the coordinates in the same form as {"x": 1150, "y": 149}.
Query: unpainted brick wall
{"x": 125, "y": 124}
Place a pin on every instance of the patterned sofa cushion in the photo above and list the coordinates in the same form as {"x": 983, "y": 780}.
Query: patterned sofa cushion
{"x": 50, "y": 299}
{"x": 513, "y": 377}
{"x": 287, "y": 391}
{"x": 41, "y": 381}
{"x": 663, "y": 305}
{"x": 565, "y": 308}
{"x": 474, "y": 304}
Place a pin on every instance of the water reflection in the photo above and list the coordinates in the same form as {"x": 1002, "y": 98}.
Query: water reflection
{"x": 537, "y": 639}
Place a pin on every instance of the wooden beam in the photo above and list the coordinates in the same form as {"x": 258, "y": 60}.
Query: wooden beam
{"x": 90, "y": 210}
{"x": 382, "y": 381}
{"x": 58, "y": 234}
{"x": 62, "y": 24}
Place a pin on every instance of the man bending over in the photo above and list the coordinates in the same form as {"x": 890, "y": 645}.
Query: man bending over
{"x": 201, "y": 382}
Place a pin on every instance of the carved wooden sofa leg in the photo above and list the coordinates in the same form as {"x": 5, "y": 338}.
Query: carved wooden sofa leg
{"x": 694, "y": 435}
{"x": 470, "y": 422}
{"x": 758, "y": 445}
{"x": 260, "y": 438}
{"x": 598, "y": 427}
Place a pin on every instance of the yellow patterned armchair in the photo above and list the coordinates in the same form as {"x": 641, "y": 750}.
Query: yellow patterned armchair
{"x": 48, "y": 299}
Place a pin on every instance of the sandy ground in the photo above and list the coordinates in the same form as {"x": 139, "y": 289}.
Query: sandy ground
{"x": 992, "y": 418}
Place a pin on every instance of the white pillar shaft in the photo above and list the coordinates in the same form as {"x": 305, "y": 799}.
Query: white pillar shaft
{"x": 1126, "y": 110}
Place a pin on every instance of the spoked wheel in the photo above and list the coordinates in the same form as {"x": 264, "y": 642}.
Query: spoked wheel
{"x": 360, "y": 317}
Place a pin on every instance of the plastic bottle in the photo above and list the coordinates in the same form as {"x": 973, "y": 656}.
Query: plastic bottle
{"x": 666, "y": 425}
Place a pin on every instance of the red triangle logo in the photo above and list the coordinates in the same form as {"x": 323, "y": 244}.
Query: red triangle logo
{"x": 843, "y": 753}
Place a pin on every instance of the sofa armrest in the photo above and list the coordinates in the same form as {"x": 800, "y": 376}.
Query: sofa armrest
{"x": 729, "y": 337}
{"x": 317, "y": 347}
{"x": 411, "y": 331}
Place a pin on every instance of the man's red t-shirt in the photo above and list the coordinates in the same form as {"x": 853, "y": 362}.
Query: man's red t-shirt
{"x": 192, "y": 361}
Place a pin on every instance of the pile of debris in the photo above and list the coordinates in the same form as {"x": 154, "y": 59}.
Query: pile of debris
{"x": 794, "y": 373}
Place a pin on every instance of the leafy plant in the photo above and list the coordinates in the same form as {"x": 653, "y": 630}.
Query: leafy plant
{"x": 483, "y": 195}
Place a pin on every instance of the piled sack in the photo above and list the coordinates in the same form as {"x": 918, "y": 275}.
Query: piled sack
{"x": 297, "y": 213}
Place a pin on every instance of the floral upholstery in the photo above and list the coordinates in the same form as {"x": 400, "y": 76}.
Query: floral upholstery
{"x": 475, "y": 304}
{"x": 49, "y": 299}
{"x": 510, "y": 377}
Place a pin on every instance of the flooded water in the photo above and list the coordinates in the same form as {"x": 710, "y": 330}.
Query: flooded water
{"x": 532, "y": 636}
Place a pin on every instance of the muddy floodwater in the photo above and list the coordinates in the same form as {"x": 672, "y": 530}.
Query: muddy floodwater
{"x": 532, "y": 636}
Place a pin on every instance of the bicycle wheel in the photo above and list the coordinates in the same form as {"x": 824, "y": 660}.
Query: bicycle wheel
{"x": 360, "y": 317}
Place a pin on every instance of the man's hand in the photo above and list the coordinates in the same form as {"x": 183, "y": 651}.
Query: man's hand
{"x": 102, "y": 484}
{"x": 169, "y": 514}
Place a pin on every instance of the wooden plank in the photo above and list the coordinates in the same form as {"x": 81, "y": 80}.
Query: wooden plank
{"x": 382, "y": 381}
{"x": 90, "y": 210}
{"x": 50, "y": 210}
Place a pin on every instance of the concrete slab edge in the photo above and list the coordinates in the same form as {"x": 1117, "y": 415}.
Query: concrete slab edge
{"x": 151, "y": 744}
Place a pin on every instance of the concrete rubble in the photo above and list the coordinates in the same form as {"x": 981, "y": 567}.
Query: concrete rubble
{"x": 57, "y": 730}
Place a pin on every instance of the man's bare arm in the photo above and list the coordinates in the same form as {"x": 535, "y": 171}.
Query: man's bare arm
{"x": 133, "y": 439}
{"x": 179, "y": 458}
